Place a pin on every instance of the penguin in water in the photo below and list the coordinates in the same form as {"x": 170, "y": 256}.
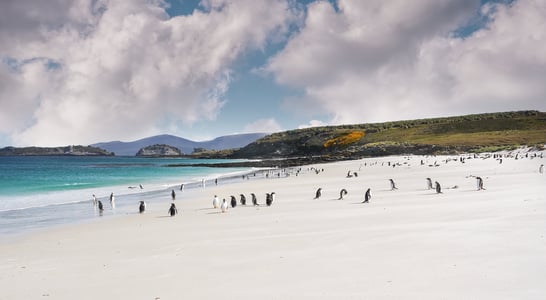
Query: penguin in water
{"x": 142, "y": 207}
{"x": 438, "y": 187}
{"x": 233, "y": 201}
{"x": 94, "y": 200}
{"x": 393, "y": 185}
{"x": 342, "y": 193}
{"x": 224, "y": 206}
{"x": 318, "y": 193}
{"x": 216, "y": 202}
{"x": 479, "y": 182}
{"x": 367, "y": 196}
{"x": 429, "y": 183}
{"x": 172, "y": 210}
{"x": 243, "y": 199}
{"x": 254, "y": 200}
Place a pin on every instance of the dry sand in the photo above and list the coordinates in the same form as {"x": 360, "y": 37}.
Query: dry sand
{"x": 410, "y": 243}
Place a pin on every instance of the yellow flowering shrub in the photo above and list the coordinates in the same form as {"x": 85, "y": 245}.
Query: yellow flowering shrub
{"x": 345, "y": 140}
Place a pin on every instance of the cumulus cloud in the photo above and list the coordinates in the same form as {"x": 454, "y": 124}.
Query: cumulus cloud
{"x": 77, "y": 71}
{"x": 370, "y": 61}
{"x": 263, "y": 125}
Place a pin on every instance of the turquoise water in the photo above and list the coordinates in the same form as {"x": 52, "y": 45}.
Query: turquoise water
{"x": 42, "y": 191}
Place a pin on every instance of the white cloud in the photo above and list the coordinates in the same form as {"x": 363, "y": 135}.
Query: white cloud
{"x": 84, "y": 71}
{"x": 388, "y": 60}
{"x": 263, "y": 125}
{"x": 313, "y": 123}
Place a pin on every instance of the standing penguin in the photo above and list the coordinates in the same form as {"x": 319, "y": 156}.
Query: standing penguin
{"x": 254, "y": 200}
{"x": 243, "y": 199}
{"x": 224, "y": 206}
{"x": 142, "y": 207}
{"x": 269, "y": 198}
{"x": 541, "y": 169}
{"x": 172, "y": 210}
{"x": 438, "y": 187}
{"x": 367, "y": 196}
{"x": 216, "y": 202}
{"x": 342, "y": 193}
{"x": 112, "y": 200}
{"x": 101, "y": 207}
{"x": 173, "y": 195}
{"x": 429, "y": 183}
{"x": 479, "y": 182}
{"x": 233, "y": 201}
{"x": 393, "y": 185}
{"x": 318, "y": 193}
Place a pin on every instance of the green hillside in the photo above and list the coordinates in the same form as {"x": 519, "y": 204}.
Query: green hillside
{"x": 470, "y": 133}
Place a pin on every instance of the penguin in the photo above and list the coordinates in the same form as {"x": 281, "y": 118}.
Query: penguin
{"x": 94, "y": 200}
{"x": 173, "y": 195}
{"x": 233, "y": 201}
{"x": 269, "y": 198}
{"x": 101, "y": 207}
{"x": 367, "y": 196}
{"x": 393, "y": 185}
{"x": 342, "y": 193}
{"x": 243, "y": 199}
{"x": 142, "y": 207}
{"x": 112, "y": 200}
{"x": 254, "y": 200}
{"x": 318, "y": 193}
{"x": 172, "y": 210}
{"x": 438, "y": 187}
{"x": 224, "y": 206}
{"x": 429, "y": 183}
{"x": 479, "y": 182}
{"x": 216, "y": 202}
{"x": 541, "y": 169}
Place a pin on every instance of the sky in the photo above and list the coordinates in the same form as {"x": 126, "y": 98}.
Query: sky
{"x": 87, "y": 71}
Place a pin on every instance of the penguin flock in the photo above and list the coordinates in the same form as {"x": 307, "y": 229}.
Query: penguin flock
{"x": 269, "y": 198}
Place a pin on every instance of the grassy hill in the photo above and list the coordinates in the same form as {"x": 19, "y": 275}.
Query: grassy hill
{"x": 470, "y": 133}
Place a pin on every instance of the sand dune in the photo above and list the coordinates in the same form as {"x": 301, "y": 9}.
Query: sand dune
{"x": 410, "y": 243}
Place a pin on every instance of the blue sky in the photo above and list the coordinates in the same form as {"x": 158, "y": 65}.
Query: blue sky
{"x": 80, "y": 72}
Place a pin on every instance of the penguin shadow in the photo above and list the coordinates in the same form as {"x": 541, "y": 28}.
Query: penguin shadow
{"x": 214, "y": 213}
{"x": 162, "y": 217}
{"x": 207, "y": 208}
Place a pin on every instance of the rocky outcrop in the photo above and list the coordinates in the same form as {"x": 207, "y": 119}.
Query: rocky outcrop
{"x": 159, "y": 150}
{"x": 55, "y": 151}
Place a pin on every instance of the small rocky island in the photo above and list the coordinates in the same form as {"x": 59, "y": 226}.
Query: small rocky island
{"x": 55, "y": 151}
{"x": 159, "y": 150}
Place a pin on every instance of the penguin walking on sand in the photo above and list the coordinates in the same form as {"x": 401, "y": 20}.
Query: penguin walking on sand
{"x": 172, "y": 210}
{"x": 142, "y": 207}
{"x": 243, "y": 199}
{"x": 479, "y": 182}
{"x": 438, "y": 187}
{"x": 541, "y": 169}
{"x": 367, "y": 196}
{"x": 269, "y": 198}
{"x": 216, "y": 202}
{"x": 342, "y": 193}
{"x": 224, "y": 206}
{"x": 393, "y": 185}
{"x": 254, "y": 200}
{"x": 233, "y": 201}
{"x": 429, "y": 183}
{"x": 173, "y": 195}
{"x": 101, "y": 207}
{"x": 318, "y": 193}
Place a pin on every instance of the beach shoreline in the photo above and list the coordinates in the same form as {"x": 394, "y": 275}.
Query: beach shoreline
{"x": 409, "y": 243}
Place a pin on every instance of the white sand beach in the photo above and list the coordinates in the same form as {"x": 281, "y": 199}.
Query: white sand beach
{"x": 409, "y": 243}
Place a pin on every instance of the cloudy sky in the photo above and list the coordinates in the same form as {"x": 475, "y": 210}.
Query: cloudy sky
{"x": 87, "y": 71}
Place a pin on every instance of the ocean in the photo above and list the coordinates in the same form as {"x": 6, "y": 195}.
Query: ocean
{"x": 37, "y": 192}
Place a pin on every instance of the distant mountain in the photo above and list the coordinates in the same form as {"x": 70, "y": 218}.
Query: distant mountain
{"x": 185, "y": 145}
